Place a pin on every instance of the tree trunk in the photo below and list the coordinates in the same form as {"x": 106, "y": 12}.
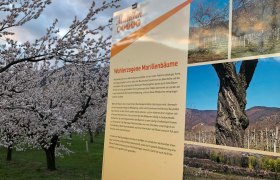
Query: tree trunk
{"x": 50, "y": 154}
{"x": 90, "y": 135}
{"x": 232, "y": 120}
{"x": 274, "y": 23}
{"x": 9, "y": 153}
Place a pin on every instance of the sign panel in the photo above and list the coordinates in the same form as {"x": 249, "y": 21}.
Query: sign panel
{"x": 194, "y": 82}
{"x": 146, "y": 105}
{"x": 233, "y": 107}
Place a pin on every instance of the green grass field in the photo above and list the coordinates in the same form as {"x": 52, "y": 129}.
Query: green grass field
{"x": 78, "y": 165}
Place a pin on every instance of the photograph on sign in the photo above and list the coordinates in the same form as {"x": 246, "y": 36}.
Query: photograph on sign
{"x": 255, "y": 28}
{"x": 220, "y": 94}
{"x": 202, "y": 162}
{"x": 209, "y": 31}
{"x": 233, "y": 115}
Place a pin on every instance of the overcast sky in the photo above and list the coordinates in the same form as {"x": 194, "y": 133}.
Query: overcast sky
{"x": 64, "y": 11}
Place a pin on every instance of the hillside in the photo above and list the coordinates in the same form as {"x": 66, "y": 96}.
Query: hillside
{"x": 260, "y": 117}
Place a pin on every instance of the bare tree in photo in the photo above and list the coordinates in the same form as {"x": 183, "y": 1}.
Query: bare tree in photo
{"x": 209, "y": 32}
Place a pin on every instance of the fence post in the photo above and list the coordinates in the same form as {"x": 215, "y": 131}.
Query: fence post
{"x": 255, "y": 143}
{"x": 261, "y": 143}
{"x": 249, "y": 139}
{"x": 275, "y": 140}
{"x": 266, "y": 136}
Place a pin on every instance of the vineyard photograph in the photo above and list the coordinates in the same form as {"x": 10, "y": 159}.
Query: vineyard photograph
{"x": 255, "y": 27}
{"x": 209, "y": 28}
{"x": 213, "y": 163}
{"x": 234, "y": 104}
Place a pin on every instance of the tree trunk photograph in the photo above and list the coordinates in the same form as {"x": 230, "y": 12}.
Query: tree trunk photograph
{"x": 232, "y": 120}
{"x": 235, "y": 104}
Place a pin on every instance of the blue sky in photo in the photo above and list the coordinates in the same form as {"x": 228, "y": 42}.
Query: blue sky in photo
{"x": 264, "y": 90}
{"x": 220, "y": 4}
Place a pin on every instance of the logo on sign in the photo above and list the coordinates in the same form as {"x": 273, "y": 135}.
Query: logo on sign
{"x": 129, "y": 21}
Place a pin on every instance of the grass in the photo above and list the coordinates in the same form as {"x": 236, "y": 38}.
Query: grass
{"x": 206, "y": 55}
{"x": 78, "y": 165}
{"x": 238, "y": 52}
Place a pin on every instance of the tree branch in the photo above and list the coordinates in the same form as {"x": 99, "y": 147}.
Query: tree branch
{"x": 247, "y": 71}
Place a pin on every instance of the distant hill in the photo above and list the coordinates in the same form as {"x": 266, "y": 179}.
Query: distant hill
{"x": 260, "y": 117}
{"x": 258, "y": 113}
{"x": 194, "y": 117}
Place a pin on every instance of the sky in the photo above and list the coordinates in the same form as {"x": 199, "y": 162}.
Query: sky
{"x": 203, "y": 86}
{"x": 64, "y": 11}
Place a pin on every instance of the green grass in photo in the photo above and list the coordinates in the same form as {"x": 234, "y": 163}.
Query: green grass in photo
{"x": 31, "y": 164}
